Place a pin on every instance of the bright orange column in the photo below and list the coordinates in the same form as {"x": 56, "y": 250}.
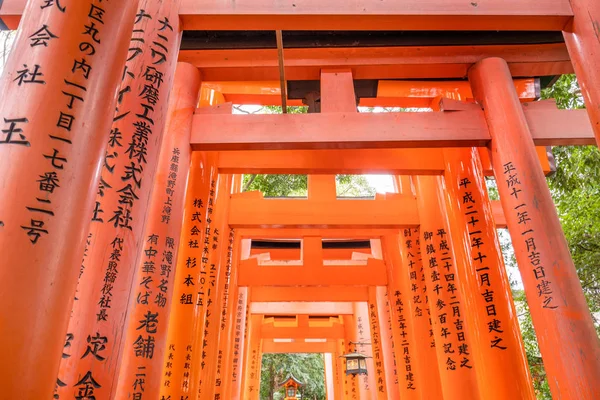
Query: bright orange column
{"x": 581, "y": 37}
{"x": 141, "y": 376}
{"x": 56, "y": 101}
{"x": 380, "y": 372}
{"x": 253, "y": 359}
{"x": 414, "y": 346}
{"x": 387, "y": 343}
{"x": 366, "y": 383}
{"x": 502, "y": 369}
{"x": 240, "y": 343}
{"x": 565, "y": 331}
{"x": 221, "y": 238}
{"x": 229, "y": 299}
{"x": 338, "y": 370}
{"x": 329, "y": 377}
{"x": 351, "y": 382}
{"x": 452, "y": 342}
{"x": 119, "y": 215}
{"x": 419, "y": 308}
{"x": 188, "y": 277}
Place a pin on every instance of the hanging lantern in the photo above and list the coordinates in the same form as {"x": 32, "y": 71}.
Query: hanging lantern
{"x": 356, "y": 364}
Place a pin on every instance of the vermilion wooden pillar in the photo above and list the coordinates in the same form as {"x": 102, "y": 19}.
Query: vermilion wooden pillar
{"x": 562, "y": 320}
{"x": 502, "y": 369}
{"x": 387, "y": 343}
{"x": 162, "y": 233}
{"x": 379, "y": 371}
{"x": 177, "y": 367}
{"x": 119, "y": 215}
{"x": 56, "y": 103}
{"x": 329, "y": 377}
{"x": 351, "y": 381}
{"x": 366, "y": 383}
{"x": 229, "y": 305}
{"x": 581, "y": 37}
{"x": 253, "y": 359}
{"x": 242, "y": 310}
{"x": 216, "y": 271}
{"x": 411, "y": 322}
{"x": 453, "y": 343}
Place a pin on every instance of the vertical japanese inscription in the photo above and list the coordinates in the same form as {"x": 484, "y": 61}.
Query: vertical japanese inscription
{"x": 545, "y": 291}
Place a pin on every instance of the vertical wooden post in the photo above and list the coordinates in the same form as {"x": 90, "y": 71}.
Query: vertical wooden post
{"x": 217, "y": 268}
{"x": 452, "y": 341}
{"x": 56, "y": 102}
{"x": 241, "y": 329}
{"x": 566, "y": 334}
{"x": 252, "y": 360}
{"x": 351, "y": 382}
{"x": 162, "y": 233}
{"x": 329, "y": 377}
{"x": 366, "y": 383}
{"x": 338, "y": 369}
{"x": 118, "y": 217}
{"x": 230, "y": 297}
{"x": 500, "y": 357}
{"x": 177, "y": 367}
{"x": 379, "y": 370}
{"x": 581, "y": 37}
{"x": 411, "y": 324}
{"x": 387, "y": 343}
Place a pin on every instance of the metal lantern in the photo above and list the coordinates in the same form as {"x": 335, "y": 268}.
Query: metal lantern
{"x": 356, "y": 364}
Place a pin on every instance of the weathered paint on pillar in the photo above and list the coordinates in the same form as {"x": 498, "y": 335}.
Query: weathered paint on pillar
{"x": 178, "y": 357}
{"x": 366, "y": 383}
{"x": 564, "y": 328}
{"x": 56, "y": 102}
{"x": 582, "y": 40}
{"x": 162, "y": 232}
{"x": 452, "y": 341}
{"x": 329, "y": 377}
{"x": 502, "y": 369}
{"x": 119, "y": 214}
{"x": 387, "y": 343}
{"x": 379, "y": 371}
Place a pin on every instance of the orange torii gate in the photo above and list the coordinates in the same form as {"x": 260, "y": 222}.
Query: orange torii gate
{"x": 134, "y": 268}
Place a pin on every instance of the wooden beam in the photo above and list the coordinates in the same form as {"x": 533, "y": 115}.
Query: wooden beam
{"x": 268, "y": 331}
{"x": 358, "y": 15}
{"x": 372, "y": 273}
{"x": 396, "y": 211}
{"x": 309, "y": 293}
{"x": 294, "y": 254}
{"x": 378, "y": 130}
{"x": 270, "y": 346}
{"x": 293, "y": 308}
{"x": 372, "y": 161}
{"x": 402, "y": 62}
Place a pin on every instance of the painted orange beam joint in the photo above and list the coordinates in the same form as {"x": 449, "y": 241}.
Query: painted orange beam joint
{"x": 379, "y": 130}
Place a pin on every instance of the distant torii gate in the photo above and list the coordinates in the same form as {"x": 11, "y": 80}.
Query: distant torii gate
{"x": 129, "y": 269}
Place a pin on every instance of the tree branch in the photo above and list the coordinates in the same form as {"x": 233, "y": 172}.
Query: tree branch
{"x": 249, "y": 183}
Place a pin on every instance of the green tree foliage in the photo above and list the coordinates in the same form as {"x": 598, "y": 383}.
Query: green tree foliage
{"x": 308, "y": 368}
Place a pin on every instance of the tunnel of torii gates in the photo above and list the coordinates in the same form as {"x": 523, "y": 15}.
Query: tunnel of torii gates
{"x": 134, "y": 266}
